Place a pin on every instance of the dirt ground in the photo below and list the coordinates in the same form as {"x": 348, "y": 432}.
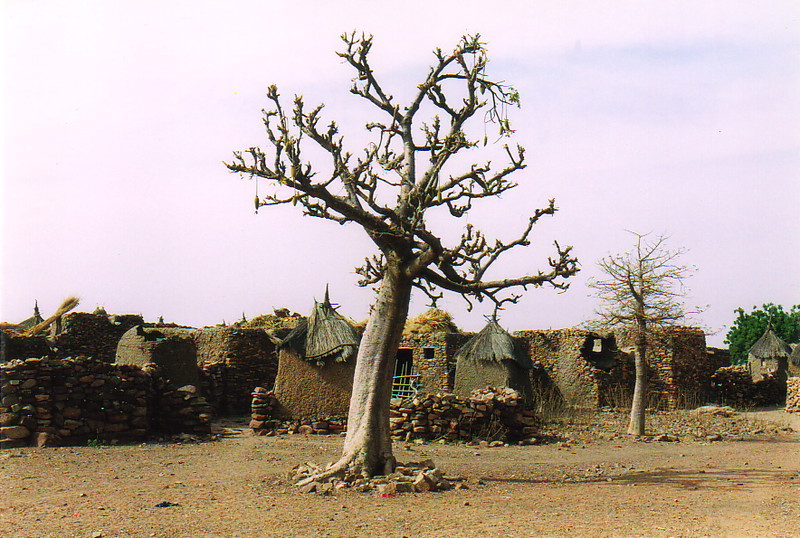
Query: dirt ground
{"x": 594, "y": 481}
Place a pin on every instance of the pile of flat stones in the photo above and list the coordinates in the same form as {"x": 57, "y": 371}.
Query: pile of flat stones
{"x": 793, "y": 395}
{"x": 411, "y": 477}
{"x": 264, "y": 409}
{"x": 486, "y": 413}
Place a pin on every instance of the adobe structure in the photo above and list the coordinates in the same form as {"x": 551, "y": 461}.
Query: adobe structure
{"x": 316, "y": 366}
{"x": 428, "y": 359}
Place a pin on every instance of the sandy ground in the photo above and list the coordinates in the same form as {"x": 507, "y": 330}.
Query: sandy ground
{"x": 598, "y": 483}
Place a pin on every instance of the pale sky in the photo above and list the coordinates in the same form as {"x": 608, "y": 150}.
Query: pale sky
{"x": 677, "y": 118}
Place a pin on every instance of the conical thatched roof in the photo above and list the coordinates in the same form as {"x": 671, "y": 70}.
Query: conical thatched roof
{"x": 493, "y": 344}
{"x": 325, "y": 335}
{"x": 770, "y": 346}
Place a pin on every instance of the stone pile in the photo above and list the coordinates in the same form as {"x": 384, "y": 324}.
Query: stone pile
{"x": 181, "y": 409}
{"x": 54, "y": 401}
{"x": 411, "y": 477}
{"x": 486, "y": 414}
{"x": 793, "y": 395}
{"x": 265, "y": 409}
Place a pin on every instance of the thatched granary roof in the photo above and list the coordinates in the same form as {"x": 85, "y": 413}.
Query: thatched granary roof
{"x": 493, "y": 344}
{"x": 325, "y": 335}
{"x": 769, "y": 346}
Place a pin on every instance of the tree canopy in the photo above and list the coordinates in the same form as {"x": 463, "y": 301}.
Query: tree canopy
{"x": 748, "y": 327}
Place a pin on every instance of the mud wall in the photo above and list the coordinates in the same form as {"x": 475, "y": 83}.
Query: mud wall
{"x": 307, "y": 391}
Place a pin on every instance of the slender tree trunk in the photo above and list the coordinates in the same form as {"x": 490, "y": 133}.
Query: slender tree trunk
{"x": 636, "y": 424}
{"x": 368, "y": 445}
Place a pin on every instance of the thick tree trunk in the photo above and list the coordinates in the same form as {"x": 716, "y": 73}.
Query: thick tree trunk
{"x": 636, "y": 424}
{"x": 368, "y": 445}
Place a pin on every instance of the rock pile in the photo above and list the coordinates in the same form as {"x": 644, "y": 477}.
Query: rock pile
{"x": 411, "y": 477}
{"x": 53, "y": 401}
{"x": 486, "y": 414}
{"x": 793, "y": 395}
{"x": 181, "y": 409}
{"x": 264, "y": 408}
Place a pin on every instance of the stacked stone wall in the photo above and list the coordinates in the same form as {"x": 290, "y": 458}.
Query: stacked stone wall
{"x": 248, "y": 358}
{"x": 679, "y": 366}
{"x": 733, "y": 385}
{"x": 14, "y": 346}
{"x": 563, "y": 371}
{"x": 88, "y": 335}
{"x": 435, "y": 367}
{"x": 70, "y": 401}
{"x": 793, "y": 395}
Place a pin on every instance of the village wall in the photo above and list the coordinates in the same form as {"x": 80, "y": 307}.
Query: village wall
{"x": 679, "y": 366}
{"x": 175, "y": 354}
{"x": 89, "y": 335}
{"x": 233, "y": 361}
{"x": 566, "y": 370}
{"x": 69, "y": 401}
{"x": 14, "y": 346}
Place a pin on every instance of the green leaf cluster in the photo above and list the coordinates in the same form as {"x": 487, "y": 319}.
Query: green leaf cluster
{"x": 747, "y": 328}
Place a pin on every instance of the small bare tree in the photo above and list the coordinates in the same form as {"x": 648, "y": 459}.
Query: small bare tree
{"x": 642, "y": 288}
{"x": 386, "y": 190}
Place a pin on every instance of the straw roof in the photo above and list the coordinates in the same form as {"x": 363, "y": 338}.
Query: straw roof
{"x": 493, "y": 344}
{"x": 325, "y": 335}
{"x": 432, "y": 321}
{"x": 770, "y": 346}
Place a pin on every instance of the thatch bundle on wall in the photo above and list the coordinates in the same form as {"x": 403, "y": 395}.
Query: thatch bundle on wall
{"x": 492, "y": 358}
{"x": 316, "y": 365}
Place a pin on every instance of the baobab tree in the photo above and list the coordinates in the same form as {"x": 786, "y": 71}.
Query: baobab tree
{"x": 386, "y": 189}
{"x": 641, "y": 288}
